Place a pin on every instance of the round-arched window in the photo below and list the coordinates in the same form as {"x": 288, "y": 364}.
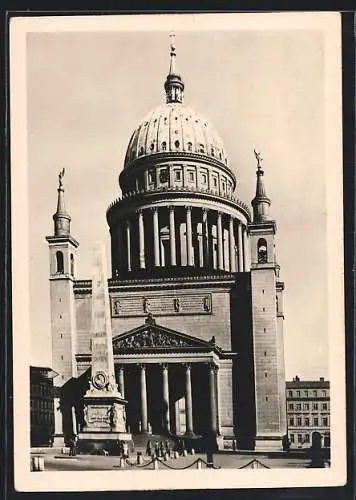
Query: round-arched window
{"x": 59, "y": 262}
{"x": 262, "y": 251}
{"x": 72, "y": 264}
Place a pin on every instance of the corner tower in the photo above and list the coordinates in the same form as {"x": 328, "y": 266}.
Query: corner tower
{"x": 62, "y": 253}
{"x": 267, "y": 323}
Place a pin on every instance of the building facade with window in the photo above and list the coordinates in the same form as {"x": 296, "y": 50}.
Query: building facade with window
{"x": 196, "y": 295}
{"x": 41, "y": 405}
{"x": 308, "y": 411}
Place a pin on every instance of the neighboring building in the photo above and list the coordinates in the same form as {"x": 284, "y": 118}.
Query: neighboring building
{"x": 308, "y": 411}
{"x": 41, "y": 403}
{"x": 196, "y": 296}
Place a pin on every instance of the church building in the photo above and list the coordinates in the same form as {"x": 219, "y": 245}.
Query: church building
{"x": 195, "y": 291}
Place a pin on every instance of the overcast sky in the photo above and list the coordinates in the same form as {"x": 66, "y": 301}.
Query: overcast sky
{"x": 87, "y": 91}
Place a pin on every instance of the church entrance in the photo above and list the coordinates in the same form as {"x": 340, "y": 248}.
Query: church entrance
{"x": 168, "y": 398}
{"x": 169, "y": 380}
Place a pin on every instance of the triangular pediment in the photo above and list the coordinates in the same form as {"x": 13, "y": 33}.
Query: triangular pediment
{"x": 151, "y": 336}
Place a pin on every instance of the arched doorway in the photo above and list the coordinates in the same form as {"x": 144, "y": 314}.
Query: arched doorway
{"x": 316, "y": 440}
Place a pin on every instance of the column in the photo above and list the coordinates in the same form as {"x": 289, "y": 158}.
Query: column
{"x": 232, "y": 245}
{"x": 58, "y": 423}
{"x": 245, "y": 249}
{"x": 144, "y": 427}
{"x": 121, "y": 381}
{"x": 212, "y": 389}
{"x": 166, "y": 419}
{"x": 218, "y": 411}
{"x": 74, "y": 421}
{"x": 113, "y": 253}
{"x": 177, "y": 416}
{"x": 200, "y": 248}
{"x": 205, "y": 231}
{"x": 141, "y": 235}
{"x": 189, "y": 237}
{"x": 146, "y": 181}
{"x": 210, "y": 242}
{"x": 128, "y": 242}
{"x": 172, "y": 236}
{"x": 156, "y": 237}
{"x": 119, "y": 261}
{"x": 220, "y": 242}
{"x": 239, "y": 244}
{"x": 188, "y": 401}
{"x": 171, "y": 176}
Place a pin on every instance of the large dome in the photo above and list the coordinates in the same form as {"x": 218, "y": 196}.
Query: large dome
{"x": 174, "y": 127}
{"x": 178, "y": 206}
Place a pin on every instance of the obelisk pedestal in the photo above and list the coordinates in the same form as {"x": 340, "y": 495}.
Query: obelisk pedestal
{"x": 104, "y": 407}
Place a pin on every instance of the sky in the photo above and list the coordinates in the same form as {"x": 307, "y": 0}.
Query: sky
{"x": 263, "y": 89}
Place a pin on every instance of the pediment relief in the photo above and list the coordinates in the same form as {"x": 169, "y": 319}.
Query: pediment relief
{"x": 155, "y": 337}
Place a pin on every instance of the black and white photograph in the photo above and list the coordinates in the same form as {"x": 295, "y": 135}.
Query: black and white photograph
{"x": 177, "y": 251}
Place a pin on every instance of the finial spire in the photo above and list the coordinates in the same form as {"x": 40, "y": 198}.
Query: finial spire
{"x": 61, "y": 217}
{"x": 261, "y": 202}
{"x": 174, "y": 85}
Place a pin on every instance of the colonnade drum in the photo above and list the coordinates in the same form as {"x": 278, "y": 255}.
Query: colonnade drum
{"x": 170, "y": 397}
{"x": 181, "y": 236}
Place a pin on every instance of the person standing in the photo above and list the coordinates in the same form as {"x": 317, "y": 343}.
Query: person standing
{"x": 149, "y": 448}
{"x": 71, "y": 447}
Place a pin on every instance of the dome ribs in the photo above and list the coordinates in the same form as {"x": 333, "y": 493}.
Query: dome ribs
{"x": 160, "y": 127}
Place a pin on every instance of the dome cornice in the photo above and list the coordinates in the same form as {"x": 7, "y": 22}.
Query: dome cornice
{"x": 165, "y": 194}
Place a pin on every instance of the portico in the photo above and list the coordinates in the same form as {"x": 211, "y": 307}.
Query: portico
{"x": 164, "y": 407}
{"x": 161, "y": 373}
{"x": 169, "y": 379}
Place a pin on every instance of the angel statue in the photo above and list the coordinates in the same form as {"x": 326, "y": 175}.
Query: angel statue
{"x": 258, "y": 158}
{"x": 60, "y": 177}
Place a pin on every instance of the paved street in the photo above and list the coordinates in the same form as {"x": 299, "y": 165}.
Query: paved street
{"x": 55, "y": 461}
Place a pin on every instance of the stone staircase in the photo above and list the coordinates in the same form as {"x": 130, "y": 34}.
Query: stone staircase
{"x": 175, "y": 442}
{"x": 140, "y": 441}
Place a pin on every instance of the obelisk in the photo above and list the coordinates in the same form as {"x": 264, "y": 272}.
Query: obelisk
{"x": 104, "y": 407}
